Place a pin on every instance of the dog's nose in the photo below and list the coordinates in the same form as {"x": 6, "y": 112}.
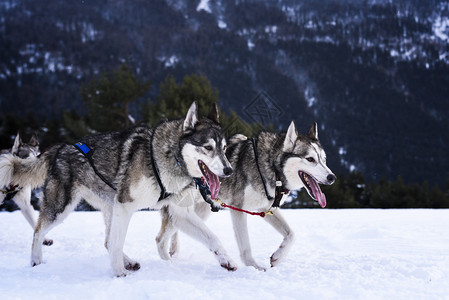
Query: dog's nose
{"x": 227, "y": 171}
{"x": 331, "y": 178}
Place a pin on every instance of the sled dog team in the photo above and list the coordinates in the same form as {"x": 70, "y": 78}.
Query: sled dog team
{"x": 183, "y": 167}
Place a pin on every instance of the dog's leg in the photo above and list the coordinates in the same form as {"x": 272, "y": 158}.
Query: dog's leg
{"x": 190, "y": 223}
{"x": 119, "y": 226}
{"x": 23, "y": 201}
{"x": 174, "y": 245}
{"x": 53, "y": 212}
{"x": 130, "y": 264}
{"x": 202, "y": 209}
{"x": 42, "y": 227}
{"x": 57, "y": 203}
{"x": 239, "y": 222}
{"x": 279, "y": 223}
{"x": 167, "y": 230}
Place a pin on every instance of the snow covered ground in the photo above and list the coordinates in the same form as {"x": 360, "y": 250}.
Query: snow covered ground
{"x": 338, "y": 254}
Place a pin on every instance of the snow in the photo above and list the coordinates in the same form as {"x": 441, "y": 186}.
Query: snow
{"x": 308, "y": 95}
{"x": 338, "y": 254}
{"x": 441, "y": 28}
{"x": 222, "y": 24}
{"x": 204, "y": 5}
{"x": 251, "y": 45}
{"x": 271, "y": 29}
{"x": 169, "y": 62}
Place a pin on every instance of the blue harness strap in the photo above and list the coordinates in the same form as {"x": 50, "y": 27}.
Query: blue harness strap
{"x": 87, "y": 152}
{"x": 83, "y": 148}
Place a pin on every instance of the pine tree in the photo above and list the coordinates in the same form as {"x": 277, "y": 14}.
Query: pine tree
{"x": 107, "y": 98}
{"x": 175, "y": 99}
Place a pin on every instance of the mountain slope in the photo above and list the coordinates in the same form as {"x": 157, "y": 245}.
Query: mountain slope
{"x": 374, "y": 75}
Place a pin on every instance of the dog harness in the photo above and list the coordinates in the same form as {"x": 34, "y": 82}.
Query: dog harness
{"x": 10, "y": 191}
{"x": 88, "y": 152}
{"x": 164, "y": 194}
{"x": 279, "y": 191}
{"x": 205, "y": 192}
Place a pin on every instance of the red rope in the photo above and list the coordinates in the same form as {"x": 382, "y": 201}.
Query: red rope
{"x": 262, "y": 214}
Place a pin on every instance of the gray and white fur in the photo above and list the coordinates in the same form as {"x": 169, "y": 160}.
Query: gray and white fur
{"x": 299, "y": 160}
{"x": 124, "y": 159}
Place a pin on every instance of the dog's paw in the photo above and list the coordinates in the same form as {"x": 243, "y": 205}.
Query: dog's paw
{"x": 225, "y": 261}
{"x": 121, "y": 271}
{"x": 174, "y": 247}
{"x": 173, "y": 253}
{"x": 122, "y": 274}
{"x": 275, "y": 259}
{"x": 229, "y": 266}
{"x": 36, "y": 262}
{"x": 47, "y": 242}
{"x": 163, "y": 253}
{"x": 132, "y": 266}
{"x": 260, "y": 268}
{"x": 249, "y": 261}
{"x": 278, "y": 256}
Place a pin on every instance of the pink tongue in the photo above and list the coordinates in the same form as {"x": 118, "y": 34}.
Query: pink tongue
{"x": 316, "y": 191}
{"x": 214, "y": 184}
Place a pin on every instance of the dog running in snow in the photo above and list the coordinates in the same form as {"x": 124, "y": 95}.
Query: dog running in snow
{"x": 289, "y": 161}
{"x": 122, "y": 172}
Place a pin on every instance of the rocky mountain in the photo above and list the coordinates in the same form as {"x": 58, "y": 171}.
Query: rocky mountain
{"x": 373, "y": 74}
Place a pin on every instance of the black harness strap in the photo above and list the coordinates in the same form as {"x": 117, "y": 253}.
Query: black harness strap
{"x": 164, "y": 193}
{"x": 279, "y": 191}
{"x": 87, "y": 152}
{"x": 254, "y": 141}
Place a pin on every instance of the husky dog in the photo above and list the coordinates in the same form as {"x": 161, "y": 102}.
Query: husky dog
{"x": 22, "y": 196}
{"x": 121, "y": 172}
{"x": 289, "y": 161}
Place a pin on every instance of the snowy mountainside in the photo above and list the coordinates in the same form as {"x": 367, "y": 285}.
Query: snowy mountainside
{"x": 373, "y": 74}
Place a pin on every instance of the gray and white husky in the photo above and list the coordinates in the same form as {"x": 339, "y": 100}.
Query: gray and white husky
{"x": 126, "y": 171}
{"x": 289, "y": 160}
{"x": 22, "y": 196}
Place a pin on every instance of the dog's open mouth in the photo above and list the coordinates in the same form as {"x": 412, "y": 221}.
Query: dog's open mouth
{"x": 211, "y": 179}
{"x": 313, "y": 188}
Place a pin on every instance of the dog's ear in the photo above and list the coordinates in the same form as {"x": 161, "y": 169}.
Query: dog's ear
{"x": 313, "y": 132}
{"x": 290, "y": 138}
{"x": 213, "y": 113}
{"x": 34, "y": 142}
{"x": 191, "y": 117}
{"x": 17, "y": 143}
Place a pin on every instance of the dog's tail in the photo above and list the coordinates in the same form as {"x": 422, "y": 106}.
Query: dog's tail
{"x": 31, "y": 171}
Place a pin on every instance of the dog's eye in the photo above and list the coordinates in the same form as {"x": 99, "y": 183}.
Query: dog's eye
{"x": 224, "y": 148}
{"x": 208, "y": 148}
{"x": 310, "y": 159}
